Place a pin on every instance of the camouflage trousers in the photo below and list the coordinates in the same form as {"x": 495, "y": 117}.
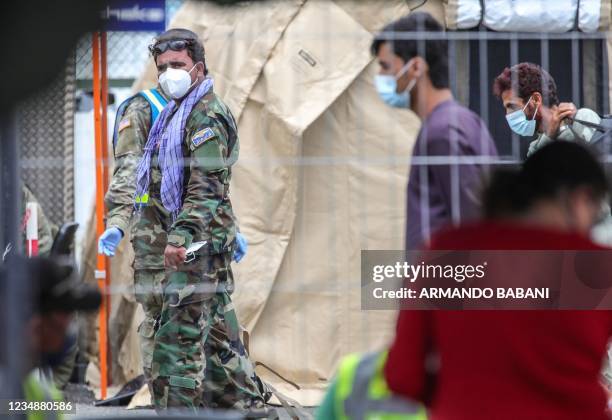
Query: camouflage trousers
{"x": 191, "y": 349}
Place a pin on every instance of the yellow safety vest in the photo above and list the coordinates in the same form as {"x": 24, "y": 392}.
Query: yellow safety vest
{"x": 34, "y": 390}
{"x": 362, "y": 392}
{"x": 142, "y": 199}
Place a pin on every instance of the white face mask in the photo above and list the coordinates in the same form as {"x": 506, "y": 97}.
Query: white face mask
{"x": 176, "y": 82}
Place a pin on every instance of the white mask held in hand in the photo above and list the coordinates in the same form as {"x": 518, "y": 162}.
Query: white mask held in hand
{"x": 176, "y": 82}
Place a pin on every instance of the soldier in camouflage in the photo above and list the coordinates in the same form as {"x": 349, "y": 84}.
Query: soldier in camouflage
{"x": 191, "y": 350}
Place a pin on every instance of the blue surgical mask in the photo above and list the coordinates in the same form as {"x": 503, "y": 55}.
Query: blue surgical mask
{"x": 519, "y": 123}
{"x": 386, "y": 86}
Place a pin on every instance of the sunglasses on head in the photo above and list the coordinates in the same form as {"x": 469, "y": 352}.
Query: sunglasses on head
{"x": 174, "y": 45}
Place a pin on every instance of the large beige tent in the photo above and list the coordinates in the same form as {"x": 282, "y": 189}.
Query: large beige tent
{"x": 322, "y": 175}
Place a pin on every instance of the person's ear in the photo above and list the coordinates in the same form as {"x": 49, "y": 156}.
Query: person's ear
{"x": 534, "y": 107}
{"x": 584, "y": 208}
{"x": 536, "y": 99}
{"x": 201, "y": 69}
{"x": 419, "y": 67}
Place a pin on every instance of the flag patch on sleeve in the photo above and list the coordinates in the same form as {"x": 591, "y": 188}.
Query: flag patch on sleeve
{"x": 202, "y": 136}
{"x": 125, "y": 123}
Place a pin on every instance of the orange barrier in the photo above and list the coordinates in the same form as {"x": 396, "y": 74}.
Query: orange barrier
{"x": 105, "y": 178}
{"x": 99, "y": 87}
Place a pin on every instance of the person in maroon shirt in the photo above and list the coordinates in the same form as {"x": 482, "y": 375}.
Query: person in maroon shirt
{"x": 452, "y": 150}
{"x": 514, "y": 364}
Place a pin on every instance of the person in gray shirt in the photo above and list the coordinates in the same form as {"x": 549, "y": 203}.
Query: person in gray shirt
{"x": 529, "y": 95}
{"x": 453, "y": 147}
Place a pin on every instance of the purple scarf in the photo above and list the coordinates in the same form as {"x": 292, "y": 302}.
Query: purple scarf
{"x": 169, "y": 136}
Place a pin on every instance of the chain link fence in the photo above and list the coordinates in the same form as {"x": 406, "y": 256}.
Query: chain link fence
{"x": 46, "y": 120}
{"x": 45, "y": 131}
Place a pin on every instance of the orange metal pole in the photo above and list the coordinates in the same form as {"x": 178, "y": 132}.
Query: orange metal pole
{"x": 100, "y": 272}
{"x": 104, "y": 95}
{"x": 106, "y": 174}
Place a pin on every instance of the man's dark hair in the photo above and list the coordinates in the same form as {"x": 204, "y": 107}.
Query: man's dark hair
{"x": 436, "y": 50}
{"x": 195, "y": 49}
{"x": 559, "y": 166}
{"x": 529, "y": 78}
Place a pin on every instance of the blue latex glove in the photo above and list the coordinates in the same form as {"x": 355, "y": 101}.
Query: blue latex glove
{"x": 107, "y": 244}
{"x": 241, "y": 247}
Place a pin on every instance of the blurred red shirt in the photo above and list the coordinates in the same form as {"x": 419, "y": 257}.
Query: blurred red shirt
{"x": 503, "y": 364}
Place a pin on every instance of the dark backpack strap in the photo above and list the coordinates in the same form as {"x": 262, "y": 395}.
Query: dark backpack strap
{"x": 156, "y": 101}
{"x": 596, "y": 126}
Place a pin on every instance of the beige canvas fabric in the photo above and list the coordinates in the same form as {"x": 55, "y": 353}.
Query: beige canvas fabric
{"x": 460, "y": 14}
{"x": 321, "y": 176}
{"x": 604, "y": 15}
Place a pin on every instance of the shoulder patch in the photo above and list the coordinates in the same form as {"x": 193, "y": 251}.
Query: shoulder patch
{"x": 125, "y": 123}
{"x": 202, "y": 136}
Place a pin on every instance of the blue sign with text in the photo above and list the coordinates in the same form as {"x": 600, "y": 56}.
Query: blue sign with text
{"x": 135, "y": 15}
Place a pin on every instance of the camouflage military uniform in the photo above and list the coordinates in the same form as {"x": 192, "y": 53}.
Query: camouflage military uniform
{"x": 191, "y": 352}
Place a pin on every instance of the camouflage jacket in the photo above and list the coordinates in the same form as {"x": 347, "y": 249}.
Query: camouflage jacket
{"x": 210, "y": 148}
{"x": 46, "y": 229}
{"x": 132, "y": 136}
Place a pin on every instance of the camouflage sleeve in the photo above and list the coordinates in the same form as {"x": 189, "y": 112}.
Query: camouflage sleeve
{"x": 207, "y": 184}
{"x": 132, "y": 135}
{"x": 46, "y": 233}
{"x": 46, "y": 229}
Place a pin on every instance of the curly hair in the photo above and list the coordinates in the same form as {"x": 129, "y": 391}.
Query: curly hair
{"x": 529, "y": 78}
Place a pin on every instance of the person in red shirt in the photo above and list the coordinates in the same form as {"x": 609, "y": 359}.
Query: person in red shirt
{"x": 514, "y": 364}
